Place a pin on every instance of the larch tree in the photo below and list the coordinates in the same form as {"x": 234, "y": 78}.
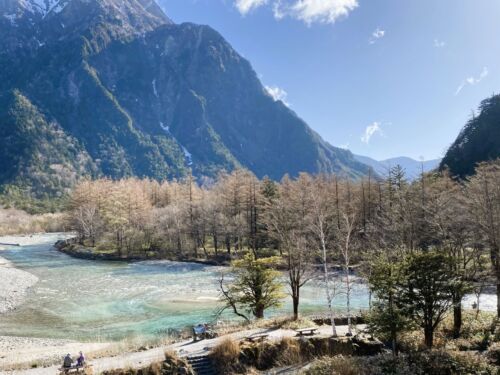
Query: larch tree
{"x": 483, "y": 193}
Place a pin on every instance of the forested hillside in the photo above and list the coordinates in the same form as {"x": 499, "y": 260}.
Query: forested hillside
{"x": 478, "y": 141}
{"x": 115, "y": 88}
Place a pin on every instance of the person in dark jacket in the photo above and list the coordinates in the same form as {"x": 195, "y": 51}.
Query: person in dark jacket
{"x": 68, "y": 361}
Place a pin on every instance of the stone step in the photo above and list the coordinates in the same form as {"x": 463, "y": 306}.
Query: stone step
{"x": 202, "y": 365}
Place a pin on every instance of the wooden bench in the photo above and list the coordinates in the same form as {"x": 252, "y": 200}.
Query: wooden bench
{"x": 72, "y": 369}
{"x": 257, "y": 337}
{"x": 306, "y": 331}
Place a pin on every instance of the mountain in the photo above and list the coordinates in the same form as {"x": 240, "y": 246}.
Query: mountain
{"x": 115, "y": 88}
{"x": 413, "y": 168}
{"x": 478, "y": 141}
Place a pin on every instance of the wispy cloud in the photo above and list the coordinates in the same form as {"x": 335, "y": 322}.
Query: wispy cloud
{"x": 439, "y": 43}
{"x": 377, "y": 34}
{"x": 370, "y": 131}
{"x": 472, "y": 80}
{"x": 308, "y": 11}
{"x": 245, "y": 6}
{"x": 277, "y": 93}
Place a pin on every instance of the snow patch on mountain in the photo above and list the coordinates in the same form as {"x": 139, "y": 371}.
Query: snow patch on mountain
{"x": 12, "y": 18}
{"x": 166, "y": 128}
{"x": 154, "y": 87}
{"x": 187, "y": 155}
{"x": 37, "y": 7}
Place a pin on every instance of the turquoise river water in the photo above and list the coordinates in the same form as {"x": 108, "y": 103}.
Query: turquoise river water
{"x": 98, "y": 301}
{"x": 89, "y": 300}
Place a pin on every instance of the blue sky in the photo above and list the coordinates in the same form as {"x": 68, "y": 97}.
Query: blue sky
{"x": 384, "y": 78}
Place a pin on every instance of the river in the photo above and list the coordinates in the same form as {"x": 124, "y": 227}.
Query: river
{"x": 99, "y": 301}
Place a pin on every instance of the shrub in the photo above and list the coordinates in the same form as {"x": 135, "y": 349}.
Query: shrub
{"x": 433, "y": 362}
{"x": 493, "y": 354}
{"x": 440, "y": 362}
{"x": 338, "y": 365}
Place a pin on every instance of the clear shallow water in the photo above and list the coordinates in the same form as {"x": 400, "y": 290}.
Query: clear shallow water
{"x": 99, "y": 301}
{"x": 88, "y": 300}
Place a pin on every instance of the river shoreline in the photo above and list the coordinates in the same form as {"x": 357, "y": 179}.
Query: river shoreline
{"x": 14, "y": 286}
{"x": 72, "y": 248}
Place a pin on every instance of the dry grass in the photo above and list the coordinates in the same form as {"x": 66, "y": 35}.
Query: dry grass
{"x": 172, "y": 365}
{"x": 226, "y": 352}
{"x": 302, "y": 322}
{"x": 284, "y": 322}
{"x": 289, "y": 352}
{"x": 131, "y": 345}
{"x": 14, "y": 221}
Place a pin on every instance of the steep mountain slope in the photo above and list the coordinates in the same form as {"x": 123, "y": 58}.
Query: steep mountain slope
{"x": 142, "y": 96}
{"x": 412, "y": 167}
{"x": 478, "y": 141}
{"x": 37, "y": 154}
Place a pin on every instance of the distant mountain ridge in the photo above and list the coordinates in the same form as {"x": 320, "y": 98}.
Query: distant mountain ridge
{"x": 412, "y": 167}
{"x": 478, "y": 141}
{"x": 115, "y": 88}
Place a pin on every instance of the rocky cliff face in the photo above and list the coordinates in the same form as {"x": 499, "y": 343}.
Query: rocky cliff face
{"x": 137, "y": 95}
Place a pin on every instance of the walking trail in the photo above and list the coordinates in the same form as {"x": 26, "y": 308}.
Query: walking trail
{"x": 184, "y": 349}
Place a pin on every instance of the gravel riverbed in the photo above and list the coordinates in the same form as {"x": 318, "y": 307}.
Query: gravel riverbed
{"x": 14, "y": 285}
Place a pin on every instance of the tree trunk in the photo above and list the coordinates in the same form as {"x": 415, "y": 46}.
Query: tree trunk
{"x": 457, "y": 317}
{"x": 259, "y": 312}
{"x": 498, "y": 296}
{"x": 348, "y": 292}
{"x": 295, "y": 302}
{"x": 429, "y": 336}
{"x": 394, "y": 346}
{"x": 497, "y": 264}
{"x": 216, "y": 247}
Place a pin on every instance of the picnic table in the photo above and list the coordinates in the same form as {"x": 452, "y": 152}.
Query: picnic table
{"x": 257, "y": 337}
{"x": 306, "y": 331}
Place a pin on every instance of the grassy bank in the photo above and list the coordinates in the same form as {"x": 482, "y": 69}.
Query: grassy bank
{"x": 14, "y": 221}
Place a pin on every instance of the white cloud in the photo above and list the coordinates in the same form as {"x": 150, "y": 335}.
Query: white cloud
{"x": 439, "y": 43}
{"x": 308, "y": 11}
{"x": 377, "y": 34}
{"x": 245, "y": 6}
{"x": 323, "y": 11}
{"x": 370, "y": 131}
{"x": 277, "y": 93}
{"x": 472, "y": 80}
{"x": 278, "y": 11}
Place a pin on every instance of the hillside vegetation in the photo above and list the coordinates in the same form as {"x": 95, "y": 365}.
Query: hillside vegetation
{"x": 141, "y": 97}
{"x": 478, "y": 141}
